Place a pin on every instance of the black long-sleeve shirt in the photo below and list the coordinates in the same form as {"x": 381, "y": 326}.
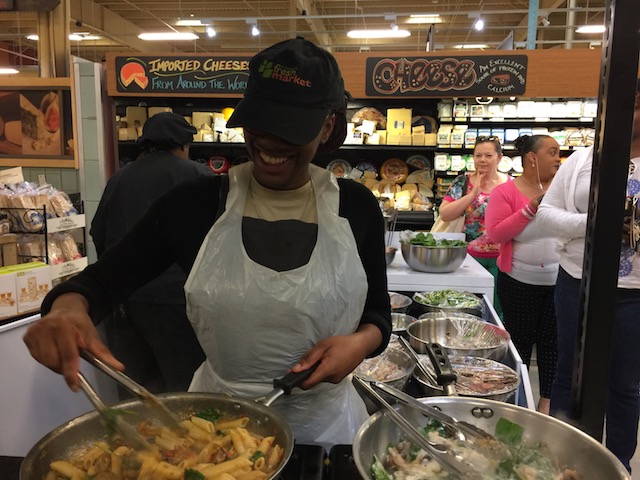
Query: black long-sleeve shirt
{"x": 175, "y": 227}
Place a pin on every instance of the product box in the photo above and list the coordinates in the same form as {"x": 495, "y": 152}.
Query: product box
{"x": 405, "y": 139}
{"x": 399, "y": 121}
{"x": 33, "y": 282}
{"x": 417, "y": 139}
{"x": 8, "y": 298}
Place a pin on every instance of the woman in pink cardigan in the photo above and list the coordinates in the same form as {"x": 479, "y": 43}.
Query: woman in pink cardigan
{"x": 528, "y": 258}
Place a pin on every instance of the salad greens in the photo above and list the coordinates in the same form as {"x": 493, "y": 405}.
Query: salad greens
{"x": 534, "y": 459}
{"x": 210, "y": 414}
{"x": 190, "y": 474}
{"x": 448, "y": 298}
{"x": 429, "y": 240}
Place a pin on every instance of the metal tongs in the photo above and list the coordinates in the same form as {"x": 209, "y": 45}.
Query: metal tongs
{"x": 147, "y": 398}
{"x": 126, "y": 431}
{"x": 439, "y": 452}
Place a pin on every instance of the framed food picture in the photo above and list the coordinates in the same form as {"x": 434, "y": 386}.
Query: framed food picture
{"x": 36, "y": 124}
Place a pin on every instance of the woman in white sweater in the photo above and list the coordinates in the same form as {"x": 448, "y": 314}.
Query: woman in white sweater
{"x": 563, "y": 212}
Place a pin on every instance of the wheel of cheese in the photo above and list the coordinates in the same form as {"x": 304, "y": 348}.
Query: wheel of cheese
{"x": 394, "y": 170}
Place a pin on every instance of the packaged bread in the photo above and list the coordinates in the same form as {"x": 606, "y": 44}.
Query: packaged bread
{"x": 54, "y": 251}
{"x": 68, "y": 246}
{"x": 30, "y": 248}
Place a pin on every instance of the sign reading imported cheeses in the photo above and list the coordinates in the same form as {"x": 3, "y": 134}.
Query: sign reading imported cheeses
{"x": 153, "y": 75}
{"x": 473, "y": 75}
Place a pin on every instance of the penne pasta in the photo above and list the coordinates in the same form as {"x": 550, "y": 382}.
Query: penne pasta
{"x": 237, "y": 423}
{"x": 206, "y": 425}
{"x": 65, "y": 468}
{"x": 223, "y": 451}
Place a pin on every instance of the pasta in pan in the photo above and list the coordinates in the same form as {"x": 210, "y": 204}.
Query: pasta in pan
{"x": 212, "y": 449}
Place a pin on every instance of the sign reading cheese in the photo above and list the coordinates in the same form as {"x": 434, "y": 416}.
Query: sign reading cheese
{"x": 168, "y": 74}
{"x": 477, "y": 75}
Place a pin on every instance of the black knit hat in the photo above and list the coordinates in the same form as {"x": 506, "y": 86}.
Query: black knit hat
{"x": 165, "y": 131}
{"x": 293, "y": 86}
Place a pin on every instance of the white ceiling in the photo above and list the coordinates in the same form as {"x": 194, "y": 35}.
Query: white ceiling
{"x": 325, "y": 22}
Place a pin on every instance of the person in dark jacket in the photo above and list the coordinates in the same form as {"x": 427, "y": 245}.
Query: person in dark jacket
{"x": 286, "y": 263}
{"x": 150, "y": 332}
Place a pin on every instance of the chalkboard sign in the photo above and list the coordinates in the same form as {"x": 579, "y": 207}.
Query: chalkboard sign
{"x": 486, "y": 75}
{"x": 182, "y": 74}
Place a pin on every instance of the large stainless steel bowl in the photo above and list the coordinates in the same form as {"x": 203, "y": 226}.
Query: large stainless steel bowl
{"x": 459, "y": 334}
{"x": 571, "y": 447}
{"x": 433, "y": 259}
{"x": 78, "y": 435}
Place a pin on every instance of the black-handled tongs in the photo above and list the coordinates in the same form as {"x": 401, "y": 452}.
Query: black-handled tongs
{"x": 148, "y": 398}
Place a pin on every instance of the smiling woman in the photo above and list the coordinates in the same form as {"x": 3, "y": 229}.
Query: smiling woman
{"x": 285, "y": 261}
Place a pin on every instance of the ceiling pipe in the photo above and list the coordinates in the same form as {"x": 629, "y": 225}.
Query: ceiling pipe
{"x": 532, "y": 30}
{"x": 571, "y": 22}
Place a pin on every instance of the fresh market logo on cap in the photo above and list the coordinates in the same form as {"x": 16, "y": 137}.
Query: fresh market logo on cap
{"x": 282, "y": 73}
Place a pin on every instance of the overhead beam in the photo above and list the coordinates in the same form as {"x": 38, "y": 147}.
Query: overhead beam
{"x": 112, "y": 25}
{"x": 317, "y": 26}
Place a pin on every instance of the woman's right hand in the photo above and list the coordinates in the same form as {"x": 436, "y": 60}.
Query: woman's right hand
{"x": 477, "y": 184}
{"x": 55, "y": 340}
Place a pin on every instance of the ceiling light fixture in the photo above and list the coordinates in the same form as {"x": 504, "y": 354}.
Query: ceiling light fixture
{"x": 8, "y": 71}
{"x": 393, "y": 19}
{"x": 471, "y": 46}
{"x": 156, "y": 36}
{"x": 545, "y": 22}
{"x": 75, "y": 37}
{"x": 255, "y": 31}
{"x": 435, "y": 18}
{"x": 362, "y": 34}
{"x": 479, "y": 24}
{"x": 189, "y": 22}
{"x": 591, "y": 29}
{"x": 211, "y": 32}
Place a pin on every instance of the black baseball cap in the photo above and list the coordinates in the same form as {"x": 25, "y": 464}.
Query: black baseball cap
{"x": 293, "y": 86}
{"x": 165, "y": 131}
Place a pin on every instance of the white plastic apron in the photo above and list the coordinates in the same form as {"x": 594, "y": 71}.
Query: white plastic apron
{"x": 254, "y": 323}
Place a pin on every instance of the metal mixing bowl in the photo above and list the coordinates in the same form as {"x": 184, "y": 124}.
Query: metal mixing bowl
{"x": 421, "y": 307}
{"x": 459, "y": 334}
{"x": 571, "y": 447}
{"x": 393, "y": 367}
{"x": 487, "y": 372}
{"x": 400, "y": 322}
{"x": 399, "y": 303}
{"x": 390, "y": 254}
{"x": 433, "y": 259}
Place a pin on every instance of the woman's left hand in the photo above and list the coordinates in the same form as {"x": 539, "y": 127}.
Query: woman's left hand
{"x": 338, "y": 355}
